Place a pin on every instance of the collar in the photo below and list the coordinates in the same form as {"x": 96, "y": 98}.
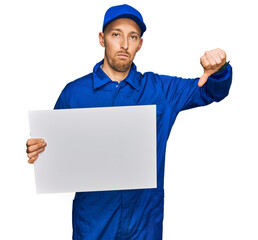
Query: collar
{"x": 100, "y": 78}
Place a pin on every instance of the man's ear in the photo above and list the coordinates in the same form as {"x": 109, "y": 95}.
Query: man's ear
{"x": 101, "y": 39}
{"x": 140, "y": 44}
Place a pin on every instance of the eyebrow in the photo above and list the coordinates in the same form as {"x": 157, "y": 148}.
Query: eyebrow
{"x": 119, "y": 30}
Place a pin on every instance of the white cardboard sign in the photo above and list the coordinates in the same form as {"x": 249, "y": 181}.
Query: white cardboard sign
{"x": 95, "y": 149}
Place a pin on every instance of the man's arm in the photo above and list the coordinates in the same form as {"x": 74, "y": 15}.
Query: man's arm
{"x": 183, "y": 93}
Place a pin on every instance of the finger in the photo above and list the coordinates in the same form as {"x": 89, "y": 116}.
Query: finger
{"x": 36, "y": 147}
{"x": 205, "y": 63}
{"x": 33, "y": 141}
{"x": 35, "y": 153}
{"x": 203, "y": 79}
{"x": 210, "y": 58}
{"x": 33, "y": 159}
{"x": 217, "y": 58}
{"x": 222, "y": 54}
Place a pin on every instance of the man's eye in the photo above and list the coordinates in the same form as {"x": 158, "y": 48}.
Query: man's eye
{"x": 134, "y": 37}
{"x": 115, "y": 34}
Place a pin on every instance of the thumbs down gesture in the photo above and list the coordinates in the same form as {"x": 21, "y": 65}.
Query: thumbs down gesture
{"x": 211, "y": 62}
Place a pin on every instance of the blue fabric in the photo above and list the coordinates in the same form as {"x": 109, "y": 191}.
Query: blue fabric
{"x": 134, "y": 214}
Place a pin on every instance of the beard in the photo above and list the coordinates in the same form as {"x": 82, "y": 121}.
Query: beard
{"x": 119, "y": 65}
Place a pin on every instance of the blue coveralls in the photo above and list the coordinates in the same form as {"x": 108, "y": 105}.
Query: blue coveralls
{"x": 134, "y": 214}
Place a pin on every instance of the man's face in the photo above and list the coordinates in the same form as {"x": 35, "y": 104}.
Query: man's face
{"x": 121, "y": 40}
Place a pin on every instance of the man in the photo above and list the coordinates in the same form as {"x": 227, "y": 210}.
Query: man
{"x": 133, "y": 214}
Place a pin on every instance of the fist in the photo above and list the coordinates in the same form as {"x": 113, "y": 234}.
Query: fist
{"x": 211, "y": 62}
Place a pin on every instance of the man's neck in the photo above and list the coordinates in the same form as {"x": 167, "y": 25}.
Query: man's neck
{"x": 113, "y": 74}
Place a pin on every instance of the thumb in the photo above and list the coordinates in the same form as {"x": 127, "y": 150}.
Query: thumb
{"x": 203, "y": 79}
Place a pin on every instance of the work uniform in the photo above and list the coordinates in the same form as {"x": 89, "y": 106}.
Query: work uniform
{"x": 134, "y": 214}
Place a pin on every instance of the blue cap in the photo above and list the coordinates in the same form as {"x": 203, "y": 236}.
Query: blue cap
{"x": 124, "y": 11}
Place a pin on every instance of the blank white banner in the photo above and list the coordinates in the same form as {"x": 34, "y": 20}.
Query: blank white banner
{"x": 95, "y": 149}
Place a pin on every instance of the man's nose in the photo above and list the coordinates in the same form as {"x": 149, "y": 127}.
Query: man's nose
{"x": 124, "y": 43}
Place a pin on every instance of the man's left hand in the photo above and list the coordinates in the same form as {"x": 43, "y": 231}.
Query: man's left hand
{"x": 211, "y": 61}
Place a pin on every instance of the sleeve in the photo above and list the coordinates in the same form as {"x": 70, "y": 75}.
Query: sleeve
{"x": 62, "y": 102}
{"x": 184, "y": 93}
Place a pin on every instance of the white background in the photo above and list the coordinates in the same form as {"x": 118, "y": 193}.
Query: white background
{"x": 211, "y": 162}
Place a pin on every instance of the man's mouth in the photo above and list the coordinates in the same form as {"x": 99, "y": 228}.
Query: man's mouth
{"x": 123, "y": 55}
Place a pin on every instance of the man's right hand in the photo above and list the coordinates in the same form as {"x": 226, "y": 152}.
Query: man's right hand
{"x": 34, "y": 147}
